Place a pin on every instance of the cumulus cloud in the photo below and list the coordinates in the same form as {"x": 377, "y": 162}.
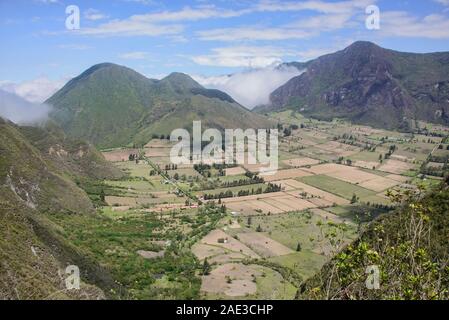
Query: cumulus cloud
{"x": 331, "y": 16}
{"x": 36, "y": 91}
{"x": 21, "y": 111}
{"x": 403, "y": 24}
{"x": 169, "y": 23}
{"x": 252, "y": 87}
{"x": 136, "y": 55}
{"x": 94, "y": 15}
{"x": 252, "y": 33}
{"x": 443, "y": 2}
{"x": 313, "y": 53}
{"x": 243, "y": 56}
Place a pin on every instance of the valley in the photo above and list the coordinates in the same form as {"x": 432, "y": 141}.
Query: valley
{"x": 351, "y": 174}
{"x": 214, "y": 232}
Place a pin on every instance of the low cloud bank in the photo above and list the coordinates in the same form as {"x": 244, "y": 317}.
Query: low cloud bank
{"x": 253, "y": 87}
{"x": 21, "y": 111}
{"x": 37, "y": 90}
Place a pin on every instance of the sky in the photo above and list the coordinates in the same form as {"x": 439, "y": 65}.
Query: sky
{"x": 205, "y": 39}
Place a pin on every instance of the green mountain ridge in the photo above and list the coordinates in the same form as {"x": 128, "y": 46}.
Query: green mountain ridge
{"x": 34, "y": 183}
{"x": 367, "y": 84}
{"x": 408, "y": 246}
{"x": 111, "y": 106}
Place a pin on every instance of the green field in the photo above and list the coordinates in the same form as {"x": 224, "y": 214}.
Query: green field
{"x": 306, "y": 229}
{"x": 337, "y": 187}
{"x": 235, "y": 190}
{"x": 141, "y": 185}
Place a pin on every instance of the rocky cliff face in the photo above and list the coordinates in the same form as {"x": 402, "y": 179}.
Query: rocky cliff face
{"x": 368, "y": 84}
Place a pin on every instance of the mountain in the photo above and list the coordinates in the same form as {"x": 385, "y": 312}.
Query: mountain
{"x": 112, "y": 106}
{"x": 408, "y": 247}
{"x": 37, "y": 177}
{"x": 370, "y": 85}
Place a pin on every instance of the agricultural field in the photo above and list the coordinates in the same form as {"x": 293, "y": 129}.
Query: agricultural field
{"x": 266, "y": 233}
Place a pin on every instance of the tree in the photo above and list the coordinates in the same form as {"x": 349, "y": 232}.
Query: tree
{"x": 206, "y": 267}
{"x": 102, "y": 195}
{"x": 354, "y": 199}
{"x": 298, "y": 247}
{"x": 250, "y": 221}
{"x": 259, "y": 228}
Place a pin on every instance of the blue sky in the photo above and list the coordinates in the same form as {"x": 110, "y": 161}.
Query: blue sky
{"x": 199, "y": 37}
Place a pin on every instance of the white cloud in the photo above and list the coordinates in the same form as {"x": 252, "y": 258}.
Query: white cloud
{"x": 324, "y": 22}
{"x": 144, "y": 2}
{"x": 94, "y": 15}
{"x": 133, "y": 26}
{"x": 443, "y": 2}
{"x": 402, "y": 24}
{"x": 157, "y": 76}
{"x": 36, "y": 91}
{"x": 136, "y": 55}
{"x": 191, "y": 14}
{"x": 313, "y": 53}
{"x": 21, "y": 111}
{"x": 334, "y": 15}
{"x": 331, "y": 17}
{"x": 159, "y": 23}
{"x": 318, "y": 6}
{"x": 243, "y": 56}
{"x": 252, "y": 87}
{"x": 47, "y": 1}
{"x": 74, "y": 46}
{"x": 252, "y": 33}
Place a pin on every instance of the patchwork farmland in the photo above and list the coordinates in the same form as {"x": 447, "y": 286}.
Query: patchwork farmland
{"x": 273, "y": 230}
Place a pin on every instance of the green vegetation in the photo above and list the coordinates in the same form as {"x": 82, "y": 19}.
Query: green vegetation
{"x": 114, "y": 244}
{"x": 91, "y": 107}
{"x": 335, "y": 90}
{"x": 338, "y": 187}
{"x": 409, "y": 247}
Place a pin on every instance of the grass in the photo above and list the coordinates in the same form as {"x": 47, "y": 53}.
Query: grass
{"x": 135, "y": 170}
{"x": 366, "y": 156}
{"x": 300, "y": 227}
{"x": 140, "y": 185}
{"x": 271, "y": 286}
{"x": 233, "y": 178}
{"x": 341, "y": 188}
{"x": 113, "y": 240}
{"x": 235, "y": 190}
{"x": 306, "y": 263}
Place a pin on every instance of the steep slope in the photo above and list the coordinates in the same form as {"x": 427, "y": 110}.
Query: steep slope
{"x": 33, "y": 256}
{"x": 104, "y": 104}
{"x": 36, "y": 183}
{"x": 111, "y": 106}
{"x": 409, "y": 248}
{"x": 74, "y": 157}
{"x": 371, "y": 85}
